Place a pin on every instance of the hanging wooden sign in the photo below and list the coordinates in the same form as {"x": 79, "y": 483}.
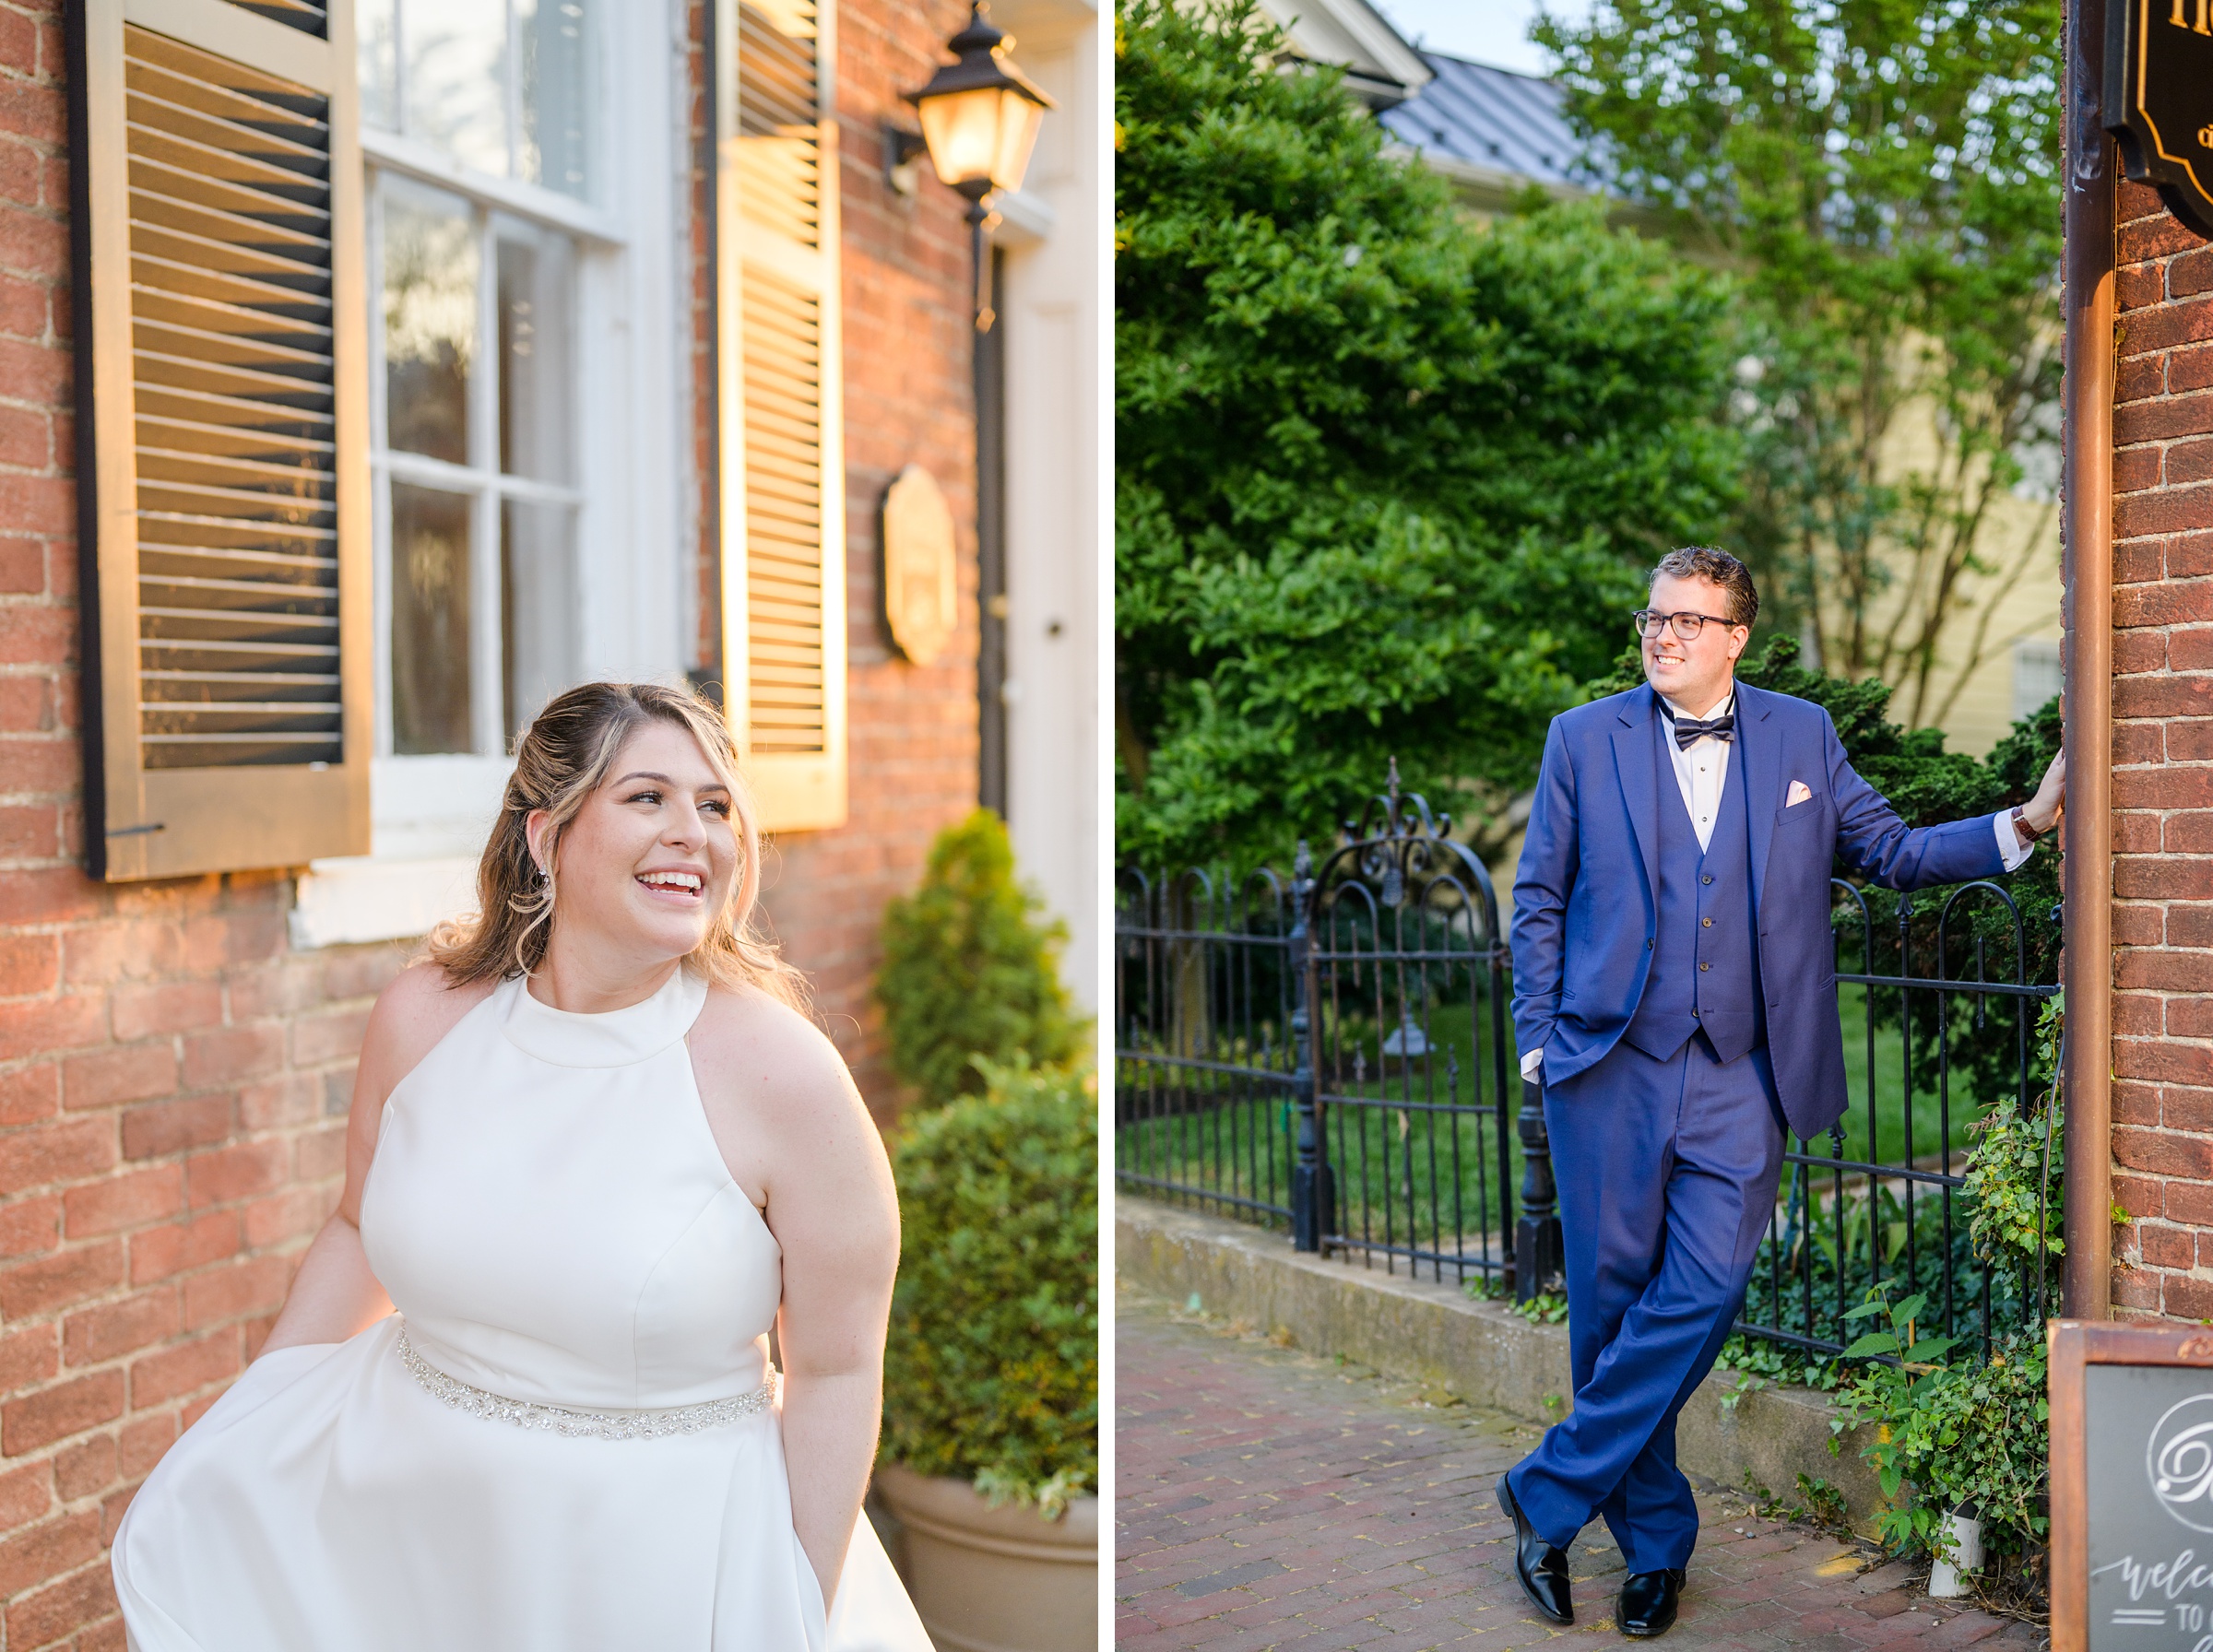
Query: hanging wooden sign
{"x": 2158, "y": 99}
{"x": 920, "y": 573}
{"x": 2132, "y": 1486}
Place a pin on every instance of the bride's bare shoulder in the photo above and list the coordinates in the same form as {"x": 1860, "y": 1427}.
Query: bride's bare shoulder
{"x": 748, "y": 1046}
{"x": 419, "y": 1007}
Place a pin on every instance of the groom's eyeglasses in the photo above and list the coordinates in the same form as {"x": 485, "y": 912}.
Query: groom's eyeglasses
{"x": 1688, "y": 626}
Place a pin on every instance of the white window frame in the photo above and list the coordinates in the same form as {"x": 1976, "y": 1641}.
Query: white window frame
{"x": 2041, "y": 656}
{"x": 430, "y": 815}
{"x": 482, "y": 482}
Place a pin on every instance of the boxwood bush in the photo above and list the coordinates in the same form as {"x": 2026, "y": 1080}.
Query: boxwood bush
{"x": 969, "y": 970}
{"x": 991, "y": 1370}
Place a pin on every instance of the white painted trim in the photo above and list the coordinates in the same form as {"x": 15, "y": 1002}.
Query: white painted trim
{"x": 363, "y": 899}
{"x": 427, "y": 472}
{"x": 1353, "y": 34}
{"x": 1051, "y": 306}
{"x": 430, "y": 165}
{"x": 1378, "y": 37}
{"x": 1025, "y": 219}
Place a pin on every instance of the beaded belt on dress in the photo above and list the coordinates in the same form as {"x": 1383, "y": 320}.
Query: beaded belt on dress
{"x": 575, "y": 1424}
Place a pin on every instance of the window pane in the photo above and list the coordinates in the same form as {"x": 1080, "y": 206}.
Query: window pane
{"x": 377, "y": 36}
{"x": 431, "y": 709}
{"x": 431, "y": 264}
{"x": 536, "y": 297}
{"x": 538, "y": 609}
{"x": 552, "y": 128}
{"x": 455, "y": 85}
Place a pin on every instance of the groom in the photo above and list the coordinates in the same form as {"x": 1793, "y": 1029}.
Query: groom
{"x": 1675, "y": 989}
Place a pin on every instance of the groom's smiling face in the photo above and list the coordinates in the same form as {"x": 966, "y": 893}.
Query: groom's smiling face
{"x": 1694, "y": 674}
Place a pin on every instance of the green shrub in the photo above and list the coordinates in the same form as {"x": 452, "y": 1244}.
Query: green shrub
{"x": 1968, "y": 1431}
{"x": 1386, "y": 481}
{"x": 991, "y": 1370}
{"x": 2017, "y": 1174}
{"x": 1969, "y": 1434}
{"x": 969, "y": 971}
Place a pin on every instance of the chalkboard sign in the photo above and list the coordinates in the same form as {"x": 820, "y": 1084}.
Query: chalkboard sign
{"x": 2158, "y": 100}
{"x": 2132, "y": 1487}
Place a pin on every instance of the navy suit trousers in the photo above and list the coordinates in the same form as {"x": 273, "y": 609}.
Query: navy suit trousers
{"x": 1667, "y": 1172}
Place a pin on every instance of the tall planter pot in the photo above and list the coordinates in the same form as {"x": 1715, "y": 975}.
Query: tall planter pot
{"x": 1000, "y": 1579}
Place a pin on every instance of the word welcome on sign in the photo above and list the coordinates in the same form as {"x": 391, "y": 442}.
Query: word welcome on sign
{"x": 2132, "y": 1487}
{"x": 2158, "y": 99}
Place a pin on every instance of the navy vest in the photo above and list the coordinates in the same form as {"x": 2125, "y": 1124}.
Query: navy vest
{"x": 1704, "y": 955}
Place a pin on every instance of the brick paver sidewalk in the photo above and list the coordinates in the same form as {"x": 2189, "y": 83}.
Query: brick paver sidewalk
{"x": 1268, "y": 1498}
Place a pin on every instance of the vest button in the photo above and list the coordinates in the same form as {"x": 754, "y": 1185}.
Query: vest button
{"x": 1705, "y": 966}
{"x": 1707, "y": 878}
{"x": 1706, "y": 923}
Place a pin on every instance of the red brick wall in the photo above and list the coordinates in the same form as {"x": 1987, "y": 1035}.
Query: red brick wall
{"x": 173, "y": 1076}
{"x": 173, "y": 1079}
{"x": 2163, "y": 764}
{"x": 908, "y": 400}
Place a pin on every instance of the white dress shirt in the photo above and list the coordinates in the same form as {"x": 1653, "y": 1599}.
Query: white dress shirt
{"x": 1700, "y": 769}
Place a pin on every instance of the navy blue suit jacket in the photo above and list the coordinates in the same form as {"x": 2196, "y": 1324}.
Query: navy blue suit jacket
{"x": 1586, "y": 895}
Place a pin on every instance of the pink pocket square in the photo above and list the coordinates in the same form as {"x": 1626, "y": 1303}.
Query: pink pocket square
{"x": 1800, "y": 793}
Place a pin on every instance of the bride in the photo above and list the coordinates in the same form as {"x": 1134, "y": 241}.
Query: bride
{"x": 594, "y": 1152}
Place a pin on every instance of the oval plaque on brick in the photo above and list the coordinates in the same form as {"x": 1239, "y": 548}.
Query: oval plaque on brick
{"x": 922, "y": 591}
{"x": 2158, "y": 99}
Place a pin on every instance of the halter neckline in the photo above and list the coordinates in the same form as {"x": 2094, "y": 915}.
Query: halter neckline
{"x": 612, "y": 1038}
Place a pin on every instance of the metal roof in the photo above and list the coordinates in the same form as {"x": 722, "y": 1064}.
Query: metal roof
{"x": 1492, "y": 121}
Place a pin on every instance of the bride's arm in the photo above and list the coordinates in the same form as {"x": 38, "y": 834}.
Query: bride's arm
{"x": 775, "y": 1084}
{"x": 830, "y": 1332}
{"x": 335, "y": 1293}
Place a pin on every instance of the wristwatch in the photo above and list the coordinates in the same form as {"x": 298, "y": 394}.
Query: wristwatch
{"x": 2023, "y": 829}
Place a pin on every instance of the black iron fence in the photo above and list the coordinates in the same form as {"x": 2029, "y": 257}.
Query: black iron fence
{"x": 1933, "y": 1043}
{"x": 1331, "y": 1054}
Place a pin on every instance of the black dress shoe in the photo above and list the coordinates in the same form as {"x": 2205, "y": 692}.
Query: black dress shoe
{"x": 1646, "y": 1606}
{"x": 1541, "y": 1569}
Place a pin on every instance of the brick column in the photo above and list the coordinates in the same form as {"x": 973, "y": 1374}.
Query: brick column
{"x": 2162, "y": 1099}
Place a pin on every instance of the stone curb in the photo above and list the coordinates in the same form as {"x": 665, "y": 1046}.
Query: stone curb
{"x": 1482, "y": 1352}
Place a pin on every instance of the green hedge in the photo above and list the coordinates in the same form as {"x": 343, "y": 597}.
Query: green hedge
{"x": 991, "y": 1370}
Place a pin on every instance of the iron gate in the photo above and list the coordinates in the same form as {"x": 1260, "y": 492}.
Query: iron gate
{"x": 1332, "y": 1055}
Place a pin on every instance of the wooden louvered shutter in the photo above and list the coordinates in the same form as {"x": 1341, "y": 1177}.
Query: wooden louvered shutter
{"x": 782, "y": 461}
{"x": 224, "y": 509}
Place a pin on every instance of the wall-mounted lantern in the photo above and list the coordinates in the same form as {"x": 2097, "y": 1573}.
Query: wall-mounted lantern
{"x": 980, "y": 115}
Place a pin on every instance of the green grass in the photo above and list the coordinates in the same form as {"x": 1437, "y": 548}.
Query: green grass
{"x": 1243, "y": 1144}
{"x": 1965, "y": 1105}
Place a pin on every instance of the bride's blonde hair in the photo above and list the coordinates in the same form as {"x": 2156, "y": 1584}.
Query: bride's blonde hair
{"x": 563, "y": 758}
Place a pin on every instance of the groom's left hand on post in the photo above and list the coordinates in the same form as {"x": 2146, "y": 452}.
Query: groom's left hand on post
{"x": 2042, "y": 812}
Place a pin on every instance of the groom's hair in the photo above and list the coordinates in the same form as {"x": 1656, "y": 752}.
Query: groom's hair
{"x": 1718, "y": 568}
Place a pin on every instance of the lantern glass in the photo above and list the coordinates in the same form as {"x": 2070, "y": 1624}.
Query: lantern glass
{"x": 1018, "y": 122}
{"x": 962, "y": 130}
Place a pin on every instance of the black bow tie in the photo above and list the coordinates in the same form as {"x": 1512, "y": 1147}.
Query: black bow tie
{"x": 1689, "y": 730}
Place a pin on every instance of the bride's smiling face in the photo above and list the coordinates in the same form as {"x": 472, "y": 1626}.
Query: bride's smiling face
{"x": 651, "y": 857}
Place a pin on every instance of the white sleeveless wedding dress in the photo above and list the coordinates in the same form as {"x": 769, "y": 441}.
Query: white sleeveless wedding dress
{"x": 555, "y": 1221}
